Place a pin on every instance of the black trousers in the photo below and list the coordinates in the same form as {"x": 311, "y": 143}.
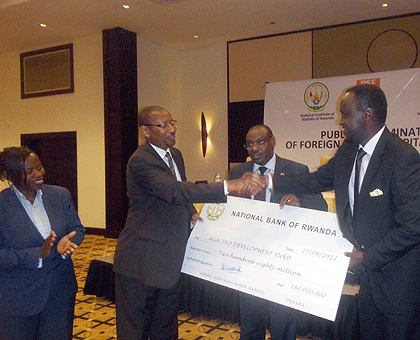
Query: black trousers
{"x": 54, "y": 322}
{"x": 258, "y": 314}
{"x": 145, "y": 312}
{"x": 391, "y": 326}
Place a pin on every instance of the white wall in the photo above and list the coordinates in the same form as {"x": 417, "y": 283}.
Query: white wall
{"x": 204, "y": 89}
{"x": 184, "y": 82}
{"x": 81, "y": 111}
{"x": 187, "y": 83}
{"x": 158, "y": 76}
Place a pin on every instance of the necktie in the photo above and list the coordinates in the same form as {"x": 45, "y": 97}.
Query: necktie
{"x": 170, "y": 163}
{"x": 261, "y": 195}
{"x": 359, "y": 157}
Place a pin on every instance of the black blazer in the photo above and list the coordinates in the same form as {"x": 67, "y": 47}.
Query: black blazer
{"x": 285, "y": 167}
{"x": 152, "y": 244}
{"x": 387, "y": 223}
{"x": 25, "y": 287}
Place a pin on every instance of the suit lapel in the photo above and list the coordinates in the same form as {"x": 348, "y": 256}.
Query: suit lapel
{"x": 154, "y": 154}
{"x": 280, "y": 164}
{"x": 20, "y": 217}
{"x": 345, "y": 167}
{"x": 344, "y": 174}
{"x": 374, "y": 163}
{"x": 50, "y": 209}
{"x": 176, "y": 155}
{"x": 249, "y": 166}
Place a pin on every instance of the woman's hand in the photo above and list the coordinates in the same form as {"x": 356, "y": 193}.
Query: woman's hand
{"x": 65, "y": 246}
{"x": 47, "y": 245}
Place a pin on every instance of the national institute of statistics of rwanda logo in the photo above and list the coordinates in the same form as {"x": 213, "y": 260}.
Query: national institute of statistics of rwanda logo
{"x": 214, "y": 211}
{"x": 316, "y": 96}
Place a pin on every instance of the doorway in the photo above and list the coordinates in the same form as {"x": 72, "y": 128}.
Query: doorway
{"x": 58, "y": 154}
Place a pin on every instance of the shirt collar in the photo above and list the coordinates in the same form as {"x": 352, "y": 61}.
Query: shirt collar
{"x": 270, "y": 165}
{"x": 160, "y": 151}
{"x": 371, "y": 145}
{"x": 22, "y": 197}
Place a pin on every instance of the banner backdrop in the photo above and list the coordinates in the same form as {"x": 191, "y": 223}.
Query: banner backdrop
{"x": 304, "y": 115}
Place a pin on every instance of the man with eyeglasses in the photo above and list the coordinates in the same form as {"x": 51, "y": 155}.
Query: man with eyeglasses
{"x": 256, "y": 313}
{"x": 150, "y": 250}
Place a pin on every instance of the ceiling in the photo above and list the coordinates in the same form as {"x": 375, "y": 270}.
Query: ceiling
{"x": 176, "y": 22}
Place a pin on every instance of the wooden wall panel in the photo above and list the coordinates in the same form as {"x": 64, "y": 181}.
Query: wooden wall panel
{"x": 343, "y": 50}
{"x": 121, "y": 132}
{"x": 253, "y": 63}
{"x": 242, "y": 116}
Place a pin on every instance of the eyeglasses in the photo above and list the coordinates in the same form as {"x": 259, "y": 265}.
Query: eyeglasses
{"x": 259, "y": 142}
{"x": 163, "y": 126}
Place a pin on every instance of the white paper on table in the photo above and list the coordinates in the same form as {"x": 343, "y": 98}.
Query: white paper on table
{"x": 292, "y": 256}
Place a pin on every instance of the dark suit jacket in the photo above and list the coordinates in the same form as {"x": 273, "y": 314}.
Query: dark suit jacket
{"x": 152, "y": 244}
{"x": 285, "y": 167}
{"x": 25, "y": 287}
{"x": 387, "y": 222}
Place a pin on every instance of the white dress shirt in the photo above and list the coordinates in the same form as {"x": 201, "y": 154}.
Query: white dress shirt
{"x": 36, "y": 213}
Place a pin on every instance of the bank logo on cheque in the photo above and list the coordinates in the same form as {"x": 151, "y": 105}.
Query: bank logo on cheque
{"x": 316, "y": 97}
{"x": 214, "y": 211}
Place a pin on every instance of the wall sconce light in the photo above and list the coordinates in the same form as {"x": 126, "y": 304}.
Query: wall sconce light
{"x": 204, "y": 134}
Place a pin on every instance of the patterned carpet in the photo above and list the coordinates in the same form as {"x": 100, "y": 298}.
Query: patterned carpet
{"x": 95, "y": 317}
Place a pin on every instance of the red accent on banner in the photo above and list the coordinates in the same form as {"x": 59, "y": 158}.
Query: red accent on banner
{"x": 373, "y": 81}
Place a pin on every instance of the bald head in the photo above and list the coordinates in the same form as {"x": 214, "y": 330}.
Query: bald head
{"x": 146, "y": 113}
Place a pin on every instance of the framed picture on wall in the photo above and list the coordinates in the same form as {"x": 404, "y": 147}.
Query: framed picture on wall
{"x": 46, "y": 72}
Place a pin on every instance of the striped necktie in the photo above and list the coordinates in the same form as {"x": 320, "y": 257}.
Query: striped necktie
{"x": 170, "y": 163}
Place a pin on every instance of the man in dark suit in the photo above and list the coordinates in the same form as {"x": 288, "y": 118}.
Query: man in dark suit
{"x": 256, "y": 313}
{"x": 379, "y": 212}
{"x": 150, "y": 250}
